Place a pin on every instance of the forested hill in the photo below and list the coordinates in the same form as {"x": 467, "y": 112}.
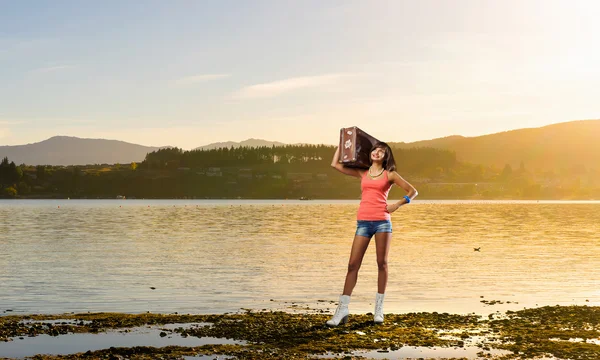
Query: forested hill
{"x": 287, "y": 172}
{"x": 558, "y": 147}
{"x": 554, "y": 162}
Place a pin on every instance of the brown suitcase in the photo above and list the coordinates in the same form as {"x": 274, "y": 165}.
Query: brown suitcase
{"x": 355, "y": 147}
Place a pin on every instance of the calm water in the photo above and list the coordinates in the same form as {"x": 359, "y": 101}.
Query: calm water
{"x": 218, "y": 256}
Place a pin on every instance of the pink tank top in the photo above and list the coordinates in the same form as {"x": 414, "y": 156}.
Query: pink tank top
{"x": 373, "y": 201}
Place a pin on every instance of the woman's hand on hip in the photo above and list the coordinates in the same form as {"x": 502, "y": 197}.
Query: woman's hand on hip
{"x": 391, "y": 208}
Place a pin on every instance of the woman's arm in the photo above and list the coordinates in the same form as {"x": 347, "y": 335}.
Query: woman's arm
{"x": 335, "y": 163}
{"x": 411, "y": 192}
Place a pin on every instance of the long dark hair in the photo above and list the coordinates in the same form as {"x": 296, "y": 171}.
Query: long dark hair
{"x": 388, "y": 159}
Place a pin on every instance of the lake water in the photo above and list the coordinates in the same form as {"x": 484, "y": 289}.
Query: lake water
{"x": 60, "y": 256}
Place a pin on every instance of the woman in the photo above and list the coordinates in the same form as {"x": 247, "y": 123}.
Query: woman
{"x": 373, "y": 218}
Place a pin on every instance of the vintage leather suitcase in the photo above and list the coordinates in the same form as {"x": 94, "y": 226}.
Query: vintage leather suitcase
{"x": 355, "y": 147}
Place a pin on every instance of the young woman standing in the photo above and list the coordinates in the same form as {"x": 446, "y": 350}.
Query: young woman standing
{"x": 373, "y": 219}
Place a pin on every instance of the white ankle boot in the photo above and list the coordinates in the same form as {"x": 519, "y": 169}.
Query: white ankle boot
{"x": 378, "y": 317}
{"x": 341, "y": 313}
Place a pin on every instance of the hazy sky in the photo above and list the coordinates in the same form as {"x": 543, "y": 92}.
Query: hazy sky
{"x": 188, "y": 73}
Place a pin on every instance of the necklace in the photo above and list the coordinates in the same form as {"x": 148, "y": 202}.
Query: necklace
{"x": 374, "y": 176}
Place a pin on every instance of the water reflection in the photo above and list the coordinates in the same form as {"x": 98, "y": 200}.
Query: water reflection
{"x": 213, "y": 257}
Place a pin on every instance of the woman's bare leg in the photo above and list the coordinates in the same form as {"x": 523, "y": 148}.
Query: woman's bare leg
{"x": 359, "y": 247}
{"x": 382, "y": 248}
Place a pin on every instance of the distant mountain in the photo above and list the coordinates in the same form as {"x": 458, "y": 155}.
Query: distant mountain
{"x": 248, "y": 143}
{"x": 66, "y": 150}
{"x": 563, "y": 146}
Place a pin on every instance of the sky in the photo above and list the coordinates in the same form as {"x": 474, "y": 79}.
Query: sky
{"x": 189, "y": 73}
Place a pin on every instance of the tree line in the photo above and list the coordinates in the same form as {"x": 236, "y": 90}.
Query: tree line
{"x": 290, "y": 171}
{"x": 287, "y": 157}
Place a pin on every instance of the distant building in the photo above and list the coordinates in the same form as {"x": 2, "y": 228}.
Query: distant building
{"x": 214, "y": 171}
{"x": 245, "y": 173}
{"x": 478, "y": 185}
{"x": 300, "y": 176}
{"x": 419, "y": 179}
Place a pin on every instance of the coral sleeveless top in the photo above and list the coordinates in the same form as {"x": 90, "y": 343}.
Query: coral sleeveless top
{"x": 373, "y": 201}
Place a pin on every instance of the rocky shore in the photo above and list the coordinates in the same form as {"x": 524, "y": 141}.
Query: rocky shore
{"x": 556, "y": 332}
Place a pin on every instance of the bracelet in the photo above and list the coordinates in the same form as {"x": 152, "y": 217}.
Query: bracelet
{"x": 407, "y": 199}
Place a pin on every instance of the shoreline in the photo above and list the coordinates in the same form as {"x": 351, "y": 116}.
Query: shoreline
{"x": 310, "y": 201}
{"x": 523, "y": 334}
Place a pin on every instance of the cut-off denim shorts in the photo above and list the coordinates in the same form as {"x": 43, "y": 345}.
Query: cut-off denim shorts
{"x": 369, "y": 228}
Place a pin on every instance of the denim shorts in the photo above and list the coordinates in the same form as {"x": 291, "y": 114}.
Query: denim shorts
{"x": 369, "y": 228}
